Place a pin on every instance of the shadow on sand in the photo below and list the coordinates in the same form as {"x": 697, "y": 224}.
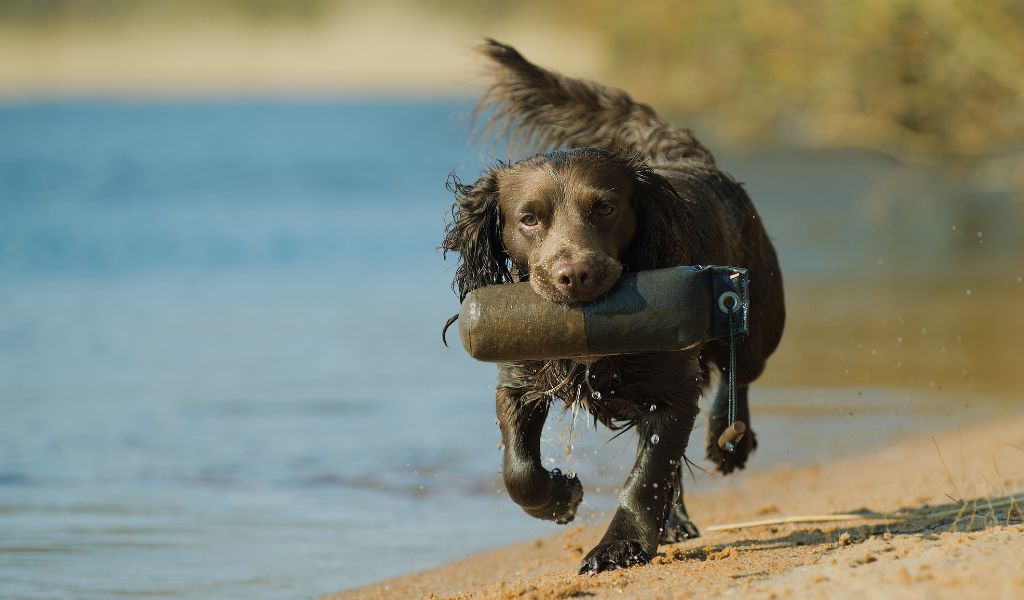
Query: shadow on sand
{"x": 925, "y": 521}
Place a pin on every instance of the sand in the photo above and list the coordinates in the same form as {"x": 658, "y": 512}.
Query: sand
{"x": 370, "y": 50}
{"x": 949, "y": 532}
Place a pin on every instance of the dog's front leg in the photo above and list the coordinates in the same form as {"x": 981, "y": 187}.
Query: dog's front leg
{"x": 678, "y": 526}
{"x": 543, "y": 494}
{"x": 646, "y": 498}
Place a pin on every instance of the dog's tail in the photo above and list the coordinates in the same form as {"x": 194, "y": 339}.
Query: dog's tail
{"x": 540, "y": 110}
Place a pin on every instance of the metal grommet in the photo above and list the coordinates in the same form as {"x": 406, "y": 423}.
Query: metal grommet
{"x": 729, "y": 302}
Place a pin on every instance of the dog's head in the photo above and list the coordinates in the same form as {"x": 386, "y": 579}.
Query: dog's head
{"x": 569, "y": 222}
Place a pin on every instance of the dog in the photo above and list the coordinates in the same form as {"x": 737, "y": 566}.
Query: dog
{"x": 613, "y": 188}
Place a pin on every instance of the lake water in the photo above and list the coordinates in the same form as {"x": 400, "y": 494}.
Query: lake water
{"x": 220, "y": 363}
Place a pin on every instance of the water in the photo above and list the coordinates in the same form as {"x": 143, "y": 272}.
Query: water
{"x": 220, "y": 358}
{"x": 220, "y": 361}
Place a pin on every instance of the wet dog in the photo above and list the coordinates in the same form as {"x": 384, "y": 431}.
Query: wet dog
{"x": 617, "y": 189}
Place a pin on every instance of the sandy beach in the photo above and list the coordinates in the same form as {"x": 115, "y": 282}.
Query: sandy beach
{"x": 163, "y": 170}
{"x": 946, "y": 522}
{"x": 375, "y": 50}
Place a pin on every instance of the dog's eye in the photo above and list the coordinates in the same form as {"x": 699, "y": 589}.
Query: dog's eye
{"x": 603, "y": 210}
{"x": 529, "y": 220}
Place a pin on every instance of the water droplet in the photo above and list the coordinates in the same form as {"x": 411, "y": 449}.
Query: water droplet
{"x": 653, "y": 407}
{"x": 611, "y": 392}
{"x": 969, "y": 292}
{"x": 655, "y": 439}
{"x": 616, "y": 375}
{"x": 655, "y": 486}
{"x": 570, "y": 473}
{"x": 595, "y": 395}
{"x": 556, "y": 472}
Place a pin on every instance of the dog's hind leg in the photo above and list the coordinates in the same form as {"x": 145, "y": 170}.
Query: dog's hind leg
{"x": 678, "y": 526}
{"x": 718, "y": 421}
{"x": 543, "y": 494}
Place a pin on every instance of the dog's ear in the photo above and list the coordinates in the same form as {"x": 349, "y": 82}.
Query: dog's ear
{"x": 660, "y": 222}
{"x": 475, "y": 234}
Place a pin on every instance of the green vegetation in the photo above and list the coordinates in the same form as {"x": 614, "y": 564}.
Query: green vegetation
{"x": 933, "y": 81}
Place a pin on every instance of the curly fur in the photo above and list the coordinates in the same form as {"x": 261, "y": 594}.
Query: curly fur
{"x": 543, "y": 110}
{"x": 685, "y": 211}
{"x": 473, "y": 232}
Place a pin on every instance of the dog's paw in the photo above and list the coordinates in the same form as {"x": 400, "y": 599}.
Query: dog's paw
{"x": 614, "y": 554}
{"x": 566, "y": 495}
{"x": 726, "y": 462}
{"x": 678, "y": 527}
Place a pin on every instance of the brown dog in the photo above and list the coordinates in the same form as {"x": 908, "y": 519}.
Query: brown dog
{"x": 634, "y": 192}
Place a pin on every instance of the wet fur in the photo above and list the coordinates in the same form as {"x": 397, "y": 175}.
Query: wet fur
{"x": 687, "y": 211}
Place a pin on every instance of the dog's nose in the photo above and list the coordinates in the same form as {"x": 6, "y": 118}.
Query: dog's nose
{"x": 575, "y": 276}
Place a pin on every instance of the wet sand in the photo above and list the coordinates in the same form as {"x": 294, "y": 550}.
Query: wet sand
{"x": 946, "y": 524}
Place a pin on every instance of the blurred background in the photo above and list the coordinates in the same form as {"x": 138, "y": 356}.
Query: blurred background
{"x": 221, "y": 296}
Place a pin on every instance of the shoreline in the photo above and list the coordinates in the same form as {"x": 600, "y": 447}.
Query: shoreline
{"x": 944, "y": 532}
{"x": 365, "y": 51}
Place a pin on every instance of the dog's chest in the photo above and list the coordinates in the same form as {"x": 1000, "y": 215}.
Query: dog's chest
{"x": 617, "y": 389}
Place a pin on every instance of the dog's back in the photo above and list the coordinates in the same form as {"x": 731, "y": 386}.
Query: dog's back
{"x": 637, "y": 192}
{"x": 542, "y": 110}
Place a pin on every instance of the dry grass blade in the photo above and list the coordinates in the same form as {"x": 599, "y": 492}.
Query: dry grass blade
{"x": 1008, "y": 502}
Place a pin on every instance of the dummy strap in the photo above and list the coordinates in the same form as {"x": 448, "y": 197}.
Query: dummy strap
{"x": 729, "y": 304}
